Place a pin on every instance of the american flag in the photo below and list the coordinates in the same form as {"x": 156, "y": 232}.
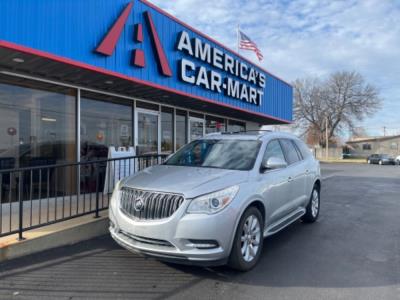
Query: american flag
{"x": 246, "y": 43}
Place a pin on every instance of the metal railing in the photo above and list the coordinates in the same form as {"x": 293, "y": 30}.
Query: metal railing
{"x": 38, "y": 196}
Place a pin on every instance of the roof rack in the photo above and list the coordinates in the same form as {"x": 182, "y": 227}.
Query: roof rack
{"x": 241, "y": 132}
{"x": 259, "y": 133}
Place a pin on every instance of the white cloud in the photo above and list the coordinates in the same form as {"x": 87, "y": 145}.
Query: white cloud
{"x": 311, "y": 38}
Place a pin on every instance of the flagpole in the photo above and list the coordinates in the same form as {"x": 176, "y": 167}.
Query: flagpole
{"x": 238, "y": 38}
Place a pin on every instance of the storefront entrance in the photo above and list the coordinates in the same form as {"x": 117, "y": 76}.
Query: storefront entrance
{"x": 147, "y": 132}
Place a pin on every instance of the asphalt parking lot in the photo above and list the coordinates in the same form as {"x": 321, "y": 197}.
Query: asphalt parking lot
{"x": 352, "y": 252}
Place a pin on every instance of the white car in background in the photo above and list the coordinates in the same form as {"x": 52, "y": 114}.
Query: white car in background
{"x": 397, "y": 160}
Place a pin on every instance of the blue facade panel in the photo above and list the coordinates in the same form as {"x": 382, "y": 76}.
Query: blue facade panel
{"x": 74, "y": 28}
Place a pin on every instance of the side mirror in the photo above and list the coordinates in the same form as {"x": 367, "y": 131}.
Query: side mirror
{"x": 273, "y": 163}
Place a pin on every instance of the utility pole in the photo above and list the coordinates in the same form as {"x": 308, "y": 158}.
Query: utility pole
{"x": 384, "y": 130}
{"x": 326, "y": 139}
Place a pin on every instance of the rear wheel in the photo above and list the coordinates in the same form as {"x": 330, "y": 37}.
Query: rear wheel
{"x": 369, "y": 162}
{"x": 380, "y": 162}
{"x": 248, "y": 243}
{"x": 312, "y": 209}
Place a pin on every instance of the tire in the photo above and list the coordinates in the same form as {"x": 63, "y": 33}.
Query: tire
{"x": 247, "y": 261}
{"x": 313, "y": 207}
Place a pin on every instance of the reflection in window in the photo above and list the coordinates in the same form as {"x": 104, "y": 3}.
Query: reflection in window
{"x": 221, "y": 154}
{"x": 104, "y": 124}
{"x": 37, "y": 126}
{"x": 167, "y": 130}
{"x": 292, "y": 155}
{"x": 273, "y": 150}
{"x": 214, "y": 124}
{"x": 181, "y": 129}
{"x": 147, "y": 134}
{"x": 366, "y": 147}
{"x": 236, "y": 126}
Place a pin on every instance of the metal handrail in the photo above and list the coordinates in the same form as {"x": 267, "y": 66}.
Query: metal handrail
{"x": 37, "y": 196}
{"x": 82, "y": 163}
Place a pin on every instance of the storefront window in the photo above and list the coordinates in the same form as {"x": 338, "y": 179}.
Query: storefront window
{"x": 167, "y": 130}
{"x": 181, "y": 129}
{"x": 37, "y": 126}
{"x": 236, "y": 126}
{"x": 147, "y": 128}
{"x": 104, "y": 124}
{"x": 214, "y": 124}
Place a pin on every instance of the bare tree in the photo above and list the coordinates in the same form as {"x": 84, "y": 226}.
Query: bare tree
{"x": 340, "y": 100}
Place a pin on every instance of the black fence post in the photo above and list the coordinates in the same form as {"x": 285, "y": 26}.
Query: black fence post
{"x": 21, "y": 207}
{"x": 97, "y": 191}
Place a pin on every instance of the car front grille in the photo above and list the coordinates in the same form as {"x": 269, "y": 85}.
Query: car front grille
{"x": 148, "y": 205}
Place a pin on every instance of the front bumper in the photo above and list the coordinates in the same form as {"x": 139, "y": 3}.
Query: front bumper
{"x": 171, "y": 239}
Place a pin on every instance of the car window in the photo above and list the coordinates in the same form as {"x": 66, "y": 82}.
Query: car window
{"x": 273, "y": 149}
{"x": 298, "y": 151}
{"x": 291, "y": 153}
{"x": 222, "y": 154}
{"x": 304, "y": 150}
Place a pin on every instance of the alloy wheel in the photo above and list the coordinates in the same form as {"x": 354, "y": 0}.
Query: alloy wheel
{"x": 250, "y": 238}
{"x": 315, "y": 203}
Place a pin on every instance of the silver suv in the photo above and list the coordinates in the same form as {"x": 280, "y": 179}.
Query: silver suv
{"x": 214, "y": 200}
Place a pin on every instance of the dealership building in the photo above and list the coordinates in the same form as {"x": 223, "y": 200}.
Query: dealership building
{"x": 79, "y": 76}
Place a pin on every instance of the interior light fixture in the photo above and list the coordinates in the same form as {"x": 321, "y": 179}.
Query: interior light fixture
{"x": 45, "y": 119}
{"x": 18, "y": 60}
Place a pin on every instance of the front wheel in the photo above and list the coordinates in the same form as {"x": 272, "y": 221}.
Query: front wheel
{"x": 312, "y": 209}
{"x": 381, "y": 162}
{"x": 369, "y": 162}
{"x": 248, "y": 242}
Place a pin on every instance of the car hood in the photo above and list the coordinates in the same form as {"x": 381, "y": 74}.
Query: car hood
{"x": 189, "y": 181}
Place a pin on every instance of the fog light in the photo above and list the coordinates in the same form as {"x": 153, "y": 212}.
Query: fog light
{"x": 202, "y": 244}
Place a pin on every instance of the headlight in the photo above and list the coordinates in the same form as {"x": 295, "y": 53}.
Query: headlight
{"x": 214, "y": 202}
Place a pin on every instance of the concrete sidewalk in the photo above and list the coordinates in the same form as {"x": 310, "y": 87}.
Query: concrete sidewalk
{"x": 55, "y": 235}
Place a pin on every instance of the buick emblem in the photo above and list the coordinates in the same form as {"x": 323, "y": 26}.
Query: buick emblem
{"x": 139, "y": 205}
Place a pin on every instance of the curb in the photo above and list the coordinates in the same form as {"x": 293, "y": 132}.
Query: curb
{"x": 58, "y": 236}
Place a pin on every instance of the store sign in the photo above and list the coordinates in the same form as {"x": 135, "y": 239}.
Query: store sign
{"x": 203, "y": 65}
{"x": 221, "y": 73}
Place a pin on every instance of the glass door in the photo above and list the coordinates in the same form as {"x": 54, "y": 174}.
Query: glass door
{"x": 196, "y": 128}
{"x": 147, "y": 132}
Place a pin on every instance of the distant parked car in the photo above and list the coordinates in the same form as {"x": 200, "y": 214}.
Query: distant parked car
{"x": 397, "y": 160}
{"x": 381, "y": 159}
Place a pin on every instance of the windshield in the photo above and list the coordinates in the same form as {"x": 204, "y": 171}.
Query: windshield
{"x": 222, "y": 154}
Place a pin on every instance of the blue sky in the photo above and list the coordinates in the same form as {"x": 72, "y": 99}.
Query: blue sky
{"x": 303, "y": 38}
